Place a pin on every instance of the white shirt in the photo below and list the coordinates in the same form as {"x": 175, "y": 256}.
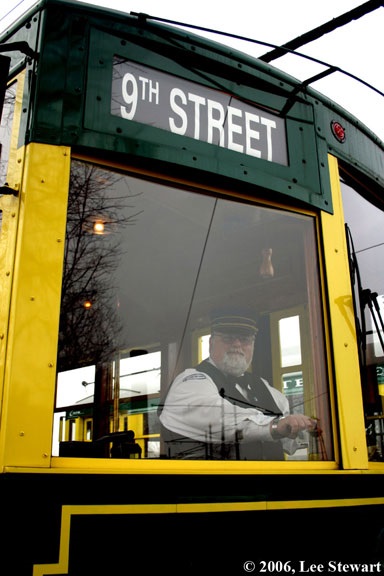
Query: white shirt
{"x": 195, "y": 409}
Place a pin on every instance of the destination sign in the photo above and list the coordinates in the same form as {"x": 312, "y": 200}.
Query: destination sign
{"x": 145, "y": 95}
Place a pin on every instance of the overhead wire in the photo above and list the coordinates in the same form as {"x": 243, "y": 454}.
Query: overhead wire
{"x": 289, "y": 47}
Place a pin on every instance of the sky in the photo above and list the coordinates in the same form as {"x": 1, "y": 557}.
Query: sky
{"x": 356, "y": 48}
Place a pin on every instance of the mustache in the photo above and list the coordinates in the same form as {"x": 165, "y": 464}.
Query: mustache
{"x": 235, "y": 351}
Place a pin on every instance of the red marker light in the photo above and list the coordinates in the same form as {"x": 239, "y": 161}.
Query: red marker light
{"x": 338, "y": 131}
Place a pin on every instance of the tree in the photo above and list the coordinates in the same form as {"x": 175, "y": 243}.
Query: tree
{"x": 90, "y": 326}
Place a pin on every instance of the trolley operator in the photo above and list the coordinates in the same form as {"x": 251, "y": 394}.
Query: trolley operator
{"x": 219, "y": 410}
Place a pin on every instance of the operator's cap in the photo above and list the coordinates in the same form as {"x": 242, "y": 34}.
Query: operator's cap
{"x": 234, "y": 322}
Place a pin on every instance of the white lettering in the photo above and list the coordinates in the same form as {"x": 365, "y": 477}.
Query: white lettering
{"x": 198, "y": 100}
{"x": 129, "y": 96}
{"x": 153, "y": 89}
{"x": 311, "y": 568}
{"x": 144, "y": 81}
{"x": 338, "y": 567}
{"x": 177, "y": 93}
{"x": 269, "y": 124}
{"x": 251, "y": 134}
{"x": 215, "y": 123}
{"x": 234, "y": 129}
{"x": 224, "y": 122}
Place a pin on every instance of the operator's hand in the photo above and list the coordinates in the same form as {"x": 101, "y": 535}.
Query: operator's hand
{"x": 290, "y": 426}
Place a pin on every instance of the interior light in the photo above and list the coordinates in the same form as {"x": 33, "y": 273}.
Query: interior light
{"x": 98, "y": 227}
{"x": 99, "y": 224}
{"x": 266, "y": 268}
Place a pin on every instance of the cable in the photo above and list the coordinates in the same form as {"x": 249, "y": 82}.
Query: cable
{"x": 329, "y": 26}
{"x": 12, "y": 9}
{"x": 143, "y": 18}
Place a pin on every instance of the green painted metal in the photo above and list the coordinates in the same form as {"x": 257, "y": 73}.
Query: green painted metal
{"x": 69, "y": 98}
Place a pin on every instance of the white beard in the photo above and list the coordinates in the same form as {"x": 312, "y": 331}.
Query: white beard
{"x": 233, "y": 363}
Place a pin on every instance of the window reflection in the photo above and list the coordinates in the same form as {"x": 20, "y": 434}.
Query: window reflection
{"x": 290, "y": 346}
{"x": 146, "y": 264}
{"x": 5, "y": 136}
{"x": 5, "y": 130}
{"x": 367, "y": 247}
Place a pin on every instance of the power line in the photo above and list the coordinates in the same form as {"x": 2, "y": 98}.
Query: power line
{"x": 318, "y": 32}
{"x": 11, "y": 10}
{"x": 285, "y": 49}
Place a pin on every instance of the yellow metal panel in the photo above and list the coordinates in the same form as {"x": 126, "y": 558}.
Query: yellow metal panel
{"x": 32, "y": 343}
{"x": 182, "y": 467}
{"x": 136, "y": 423}
{"x": 344, "y": 343}
{"x": 9, "y": 206}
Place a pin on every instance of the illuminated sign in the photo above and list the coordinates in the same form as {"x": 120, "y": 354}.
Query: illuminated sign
{"x": 293, "y": 383}
{"x": 145, "y": 95}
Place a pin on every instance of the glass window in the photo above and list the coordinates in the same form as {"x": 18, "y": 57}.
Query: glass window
{"x": 156, "y": 280}
{"x": 366, "y": 248}
{"x": 5, "y": 130}
{"x": 5, "y": 136}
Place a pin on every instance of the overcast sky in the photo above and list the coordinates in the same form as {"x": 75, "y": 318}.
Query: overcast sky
{"x": 356, "y": 48}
